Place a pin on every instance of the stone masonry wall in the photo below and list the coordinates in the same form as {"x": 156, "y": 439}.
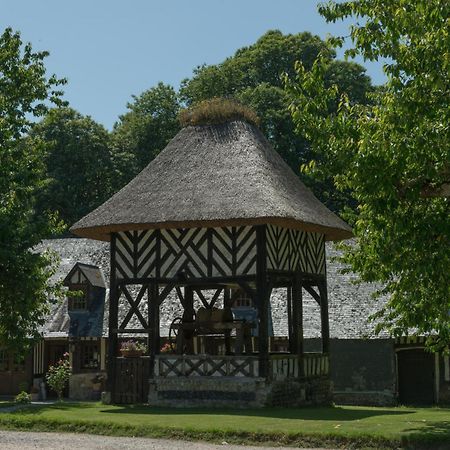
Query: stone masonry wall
{"x": 238, "y": 392}
{"x": 81, "y": 386}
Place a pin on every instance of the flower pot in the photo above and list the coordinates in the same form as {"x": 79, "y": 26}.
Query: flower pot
{"x": 131, "y": 353}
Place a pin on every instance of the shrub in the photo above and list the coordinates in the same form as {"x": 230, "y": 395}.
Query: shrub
{"x": 22, "y": 398}
{"x": 58, "y": 375}
{"x": 216, "y": 111}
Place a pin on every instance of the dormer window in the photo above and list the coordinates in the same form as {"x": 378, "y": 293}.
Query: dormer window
{"x": 78, "y": 302}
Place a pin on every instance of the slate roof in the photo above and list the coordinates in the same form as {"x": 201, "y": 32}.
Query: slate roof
{"x": 350, "y": 304}
{"x": 214, "y": 175}
{"x": 93, "y": 274}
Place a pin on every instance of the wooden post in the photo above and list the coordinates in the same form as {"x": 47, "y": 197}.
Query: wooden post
{"x": 188, "y": 316}
{"x": 226, "y": 297}
{"x": 153, "y": 321}
{"x": 324, "y": 316}
{"x": 113, "y": 320}
{"x": 297, "y": 315}
{"x": 289, "y": 314}
{"x": 262, "y": 294}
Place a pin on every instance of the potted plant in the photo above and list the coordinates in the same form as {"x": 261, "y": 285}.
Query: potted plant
{"x": 132, "y": 349}
{"x": 97, "y": 382}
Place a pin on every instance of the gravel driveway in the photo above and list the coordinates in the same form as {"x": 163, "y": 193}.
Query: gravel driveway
{"x": 14, "y": 440}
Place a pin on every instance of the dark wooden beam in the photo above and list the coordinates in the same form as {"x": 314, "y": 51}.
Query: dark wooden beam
{"x": 113, "y": 319}
{"x": 202, "y": 298}
{"x": 289, "y": 314}
{"x": 297, "y": 316}
{"x": 316, "y": 296}
{"x": 262, "y": 295}
{"x": 153, "y": 320}
{"x": 324, "y": 317}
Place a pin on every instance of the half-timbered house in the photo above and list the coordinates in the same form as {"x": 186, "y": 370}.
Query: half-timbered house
{"x": 75, "y": 323}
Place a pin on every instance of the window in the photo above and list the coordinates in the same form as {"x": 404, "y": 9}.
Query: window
{"x": 89, "y": 355}
{"x": 240, "y": 298}
{"x": 77, "y": 302}
{"x": 4, "y": 361}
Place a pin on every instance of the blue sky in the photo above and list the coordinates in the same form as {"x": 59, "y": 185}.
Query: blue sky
{"x": 111, "y": 49}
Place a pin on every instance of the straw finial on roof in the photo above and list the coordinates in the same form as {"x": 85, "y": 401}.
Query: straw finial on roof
{"x": 216, "y": 111}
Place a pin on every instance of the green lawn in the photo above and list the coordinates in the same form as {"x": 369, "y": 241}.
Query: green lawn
{"x": 355, "y": 427}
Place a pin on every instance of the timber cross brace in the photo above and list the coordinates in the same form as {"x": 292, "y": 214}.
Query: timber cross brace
{"x": 268, "y": 259}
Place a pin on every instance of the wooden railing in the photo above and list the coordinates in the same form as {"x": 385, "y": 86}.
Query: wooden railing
{"x": 290, "y": 366}
{"x": 206, "y": 365}
{"x": 316, "y": 364}
{"x": 281, "y": 366}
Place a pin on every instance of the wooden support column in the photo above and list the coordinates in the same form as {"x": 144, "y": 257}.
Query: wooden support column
{"x": 153, "y": 321}
{"x": 289, "y": 314}
{"x": 188, "y": 316}
{"x": 226, "y": 297}
{"x": 113, "y": 319}
{"x": 324, "y": 316}
{"x": 297, "y": 315}
{"x": 262, "y": 297}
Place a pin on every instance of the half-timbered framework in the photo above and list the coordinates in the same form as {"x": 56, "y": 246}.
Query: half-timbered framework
{"x": 204, "y": 235}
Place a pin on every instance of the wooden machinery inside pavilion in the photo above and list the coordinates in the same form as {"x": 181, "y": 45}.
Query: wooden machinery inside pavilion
{"x": 218, "y": 211}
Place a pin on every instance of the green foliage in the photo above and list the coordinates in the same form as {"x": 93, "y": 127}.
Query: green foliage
{"x": 393, "y": 156}
{"x": 143, "y": 131}
{"x": 216, "y": 111}
{"x": 78, "y": 164}
{"x": 24, "y": 287}
{"x": 58, "y": 375}
{"x": 22, "y": 398}
{"x": 254, "y": 77}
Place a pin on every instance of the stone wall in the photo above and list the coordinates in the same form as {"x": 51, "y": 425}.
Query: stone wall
{"x": 365, "y": 398}
{"x": 238, "y": 392}
{"x": 363, "y": 371}
{"x": 81, "y": 386}
{"x": 314, "y": 391}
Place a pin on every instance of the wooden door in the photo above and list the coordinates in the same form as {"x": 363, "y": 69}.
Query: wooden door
{"x": 416, "y": 377}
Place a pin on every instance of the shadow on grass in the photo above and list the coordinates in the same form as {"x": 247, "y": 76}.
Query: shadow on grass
{"x": 336, "y": 413}
{"x": 307, "y": 413}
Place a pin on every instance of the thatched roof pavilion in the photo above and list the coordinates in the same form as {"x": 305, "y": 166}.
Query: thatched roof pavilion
{"x": 218, "y": 215}
{"x": 219, "y": 175}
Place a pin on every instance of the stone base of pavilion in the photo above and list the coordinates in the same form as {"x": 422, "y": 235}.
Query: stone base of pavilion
{"x": 233, "y": 381}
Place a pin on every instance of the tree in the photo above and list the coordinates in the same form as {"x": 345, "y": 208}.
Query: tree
{"x": 24, "y": 275}
{"x": 78, "y": 163}
{"x": 254, "y": 76}
{"x": 393, "y": 155}
{"x": 144, "y": 131}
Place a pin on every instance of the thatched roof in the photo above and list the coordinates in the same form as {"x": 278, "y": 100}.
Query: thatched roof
{"x": 218, "y": 175}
